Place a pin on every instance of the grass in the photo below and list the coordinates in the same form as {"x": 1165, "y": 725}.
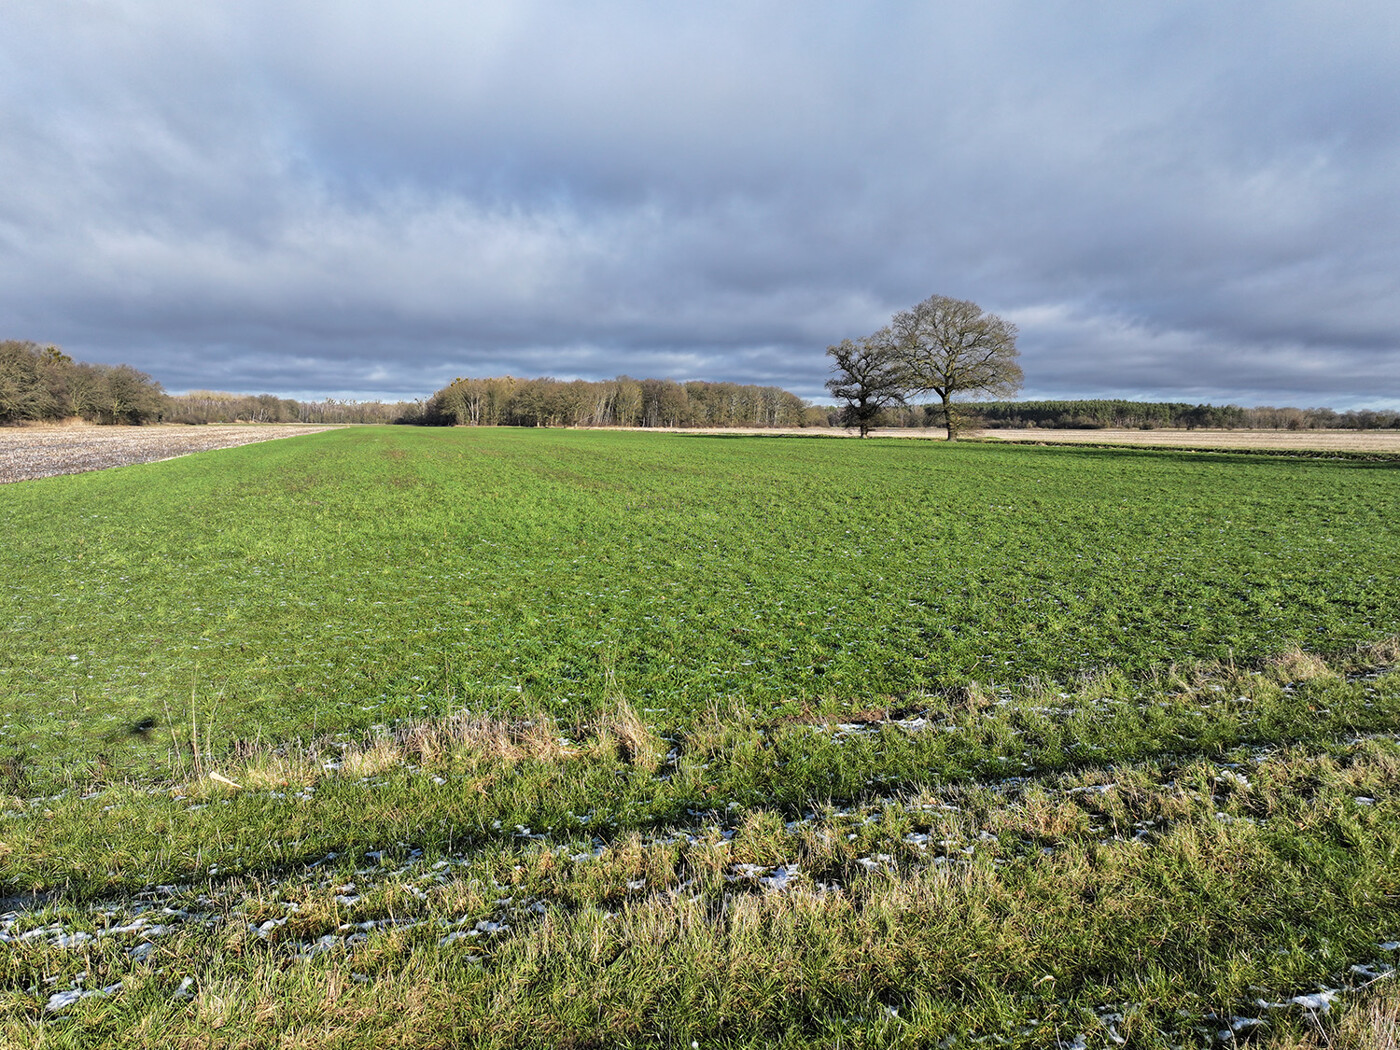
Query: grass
{"x": 428, "y": 738}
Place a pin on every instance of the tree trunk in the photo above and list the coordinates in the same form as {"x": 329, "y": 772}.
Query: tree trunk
{"x": 948, "y": 418}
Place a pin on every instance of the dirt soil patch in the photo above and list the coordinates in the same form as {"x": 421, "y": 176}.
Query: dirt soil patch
{"x": 29, "y": 452}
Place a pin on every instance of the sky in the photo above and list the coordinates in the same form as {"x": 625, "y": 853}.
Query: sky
{"x": 1185, "y": 200}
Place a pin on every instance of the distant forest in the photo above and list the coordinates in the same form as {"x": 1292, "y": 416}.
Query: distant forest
{"x": 1140, "y": 415}
{"x": 213, "y": 406}
{"x": 624, "y": 402}
{"x": 42, "y": 383}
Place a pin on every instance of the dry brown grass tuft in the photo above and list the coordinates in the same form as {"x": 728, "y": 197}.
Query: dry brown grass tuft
{"x": 379, "y": 756}
{"x": 623, "y": 732}
{"x": 1295, "y": 665}
{"x": 718, "y": 728}
{"x": 1385, "y": 653}
{"x": 218, "y": 1004}
{"x": 481, "y": 736}
{"x": 1371, "y": 1022}
{"x": 276, "y": 772}
{"x": 1042, "y": 817}
{"x": 1375, "y": 1023}
{"x": 472, "y": 739}
{"x": 972, "y": 698}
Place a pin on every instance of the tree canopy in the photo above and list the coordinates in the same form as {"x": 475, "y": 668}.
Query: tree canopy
{"x": 948, "y": 347}
{"x": 870, "y": 374}
{"x": 43, "y": 383}
{"x": 951, "y": 347}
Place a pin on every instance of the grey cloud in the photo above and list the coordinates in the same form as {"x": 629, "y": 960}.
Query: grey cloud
{"x": 1182, "y": 200}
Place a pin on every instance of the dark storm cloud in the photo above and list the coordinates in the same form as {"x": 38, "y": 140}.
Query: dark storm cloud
{"x": 1190, "y": 201}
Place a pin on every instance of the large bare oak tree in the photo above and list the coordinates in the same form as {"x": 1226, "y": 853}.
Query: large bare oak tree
{"x": 950, "y": 347}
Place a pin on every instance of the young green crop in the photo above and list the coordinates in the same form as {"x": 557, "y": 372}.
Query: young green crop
{"x": 336, "y": 581}
{"x": 436, "y": 737}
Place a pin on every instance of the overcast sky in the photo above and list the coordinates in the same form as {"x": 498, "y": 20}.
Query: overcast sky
{"x": 1176, "y": 200}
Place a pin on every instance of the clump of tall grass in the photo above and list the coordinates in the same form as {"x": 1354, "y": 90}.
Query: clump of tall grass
{"x": 622, "y": 732}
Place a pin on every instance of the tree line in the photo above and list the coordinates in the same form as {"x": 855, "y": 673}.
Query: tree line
{"x": 1148, "y": 415}
{"x": 43, "y": 384}
{"x": 40, "y": 383}
{"x": 938, "y": 346}
{"x": 624, "y": 402}
{"x": 1134, "y": 415}
{"x": 214, "y": 406}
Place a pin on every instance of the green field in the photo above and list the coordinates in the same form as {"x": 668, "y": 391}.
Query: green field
{"x": 597, "y": 739}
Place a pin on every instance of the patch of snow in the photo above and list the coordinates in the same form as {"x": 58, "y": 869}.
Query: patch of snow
{"x": 62, "y": 1000}
{"x": 1371, "y": 971}
{"x": 1319, "y": 1001}
{"x": 142, "y": 952}
{"x": 781, "y": 878}
{"x": 1238, "y": 1024}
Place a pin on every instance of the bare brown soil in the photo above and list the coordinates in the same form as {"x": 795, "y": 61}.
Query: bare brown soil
{"x": 29, "y": 452}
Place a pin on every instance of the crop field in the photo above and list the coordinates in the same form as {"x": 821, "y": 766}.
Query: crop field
{"x": 43, "y": 451}
{"x": 428, "y": 738}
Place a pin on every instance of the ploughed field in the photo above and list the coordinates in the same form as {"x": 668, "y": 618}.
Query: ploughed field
{"x": 502, "y": 737}
{"x": 43, "y": 451}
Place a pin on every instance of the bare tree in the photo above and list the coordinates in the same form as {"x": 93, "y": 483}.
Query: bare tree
{"x": 949, "y": 347}
{"x": 869, "y": 376}
{"x": 21, "y": 391}
{"x": 128, "y": 396}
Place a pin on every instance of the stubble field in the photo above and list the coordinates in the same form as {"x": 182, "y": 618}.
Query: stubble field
{"x": 420, "y": 738}
{"x": 1302, "y": 441}
{"x": 43, "y": 451}
{"x": 1343, "y": 442}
